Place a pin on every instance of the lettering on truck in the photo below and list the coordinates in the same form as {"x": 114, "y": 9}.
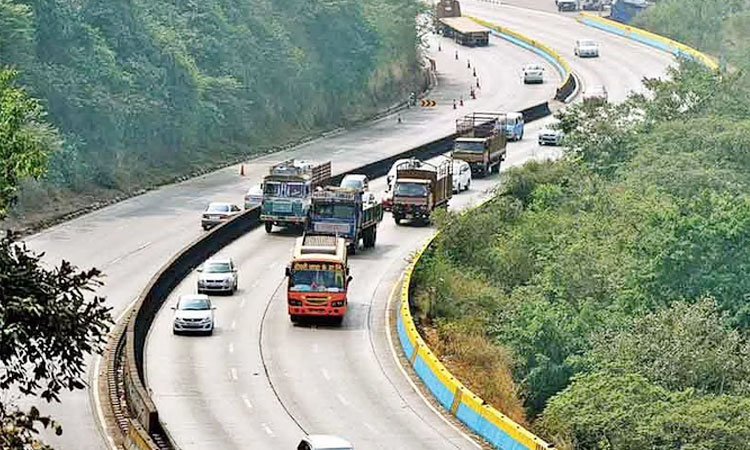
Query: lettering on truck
{"x": 318, "y": 278}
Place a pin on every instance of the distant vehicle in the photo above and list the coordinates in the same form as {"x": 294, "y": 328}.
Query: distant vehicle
{"x": 626, "y": 10}
{"x": 324, "y": 442}
{"x": 514, "y": 126}
{"x": 596, "y": 95}
{"x": 592, "y": 5}
{"x": 421, "y": 188}
{"x": 318, "y": 278}
{"x": 533, "y": 73}
{"x": 350, "y": 213}
{"x": 355, "y": 181}
{"x": 218, "y": 212}
{"x": 287, "y": 190}
{"x": 392, "y": 173}
{"x": 254, "y": 197}
{"x": 481, "y": 141}
{"x": 586, "y": 48}
{"x": 461, "y": 175}
{"x": 193, "y": 314}
{"x": 567, "y": 5}
{"x": 550, "y": 136}
{"x": 217, "y": 275}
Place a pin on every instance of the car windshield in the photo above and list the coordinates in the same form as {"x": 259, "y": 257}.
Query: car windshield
{"x": 410, "y": 190}
{"x": 351, "y": 183}
{"x": 194, "y": 304}
{"x": 474, "y": 147}
{"x": 334, "y": 211}
{"x": 317, "y": 280}
{"x": 218, "y": 267}
{"x": 218, "y": 207}
{"x": 587, "y": 44}
{"x": 295, "y": 190}
{"x": 272, "y": 189}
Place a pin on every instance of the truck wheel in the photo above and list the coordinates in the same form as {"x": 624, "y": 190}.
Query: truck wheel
{"x": 294, "y": 318}
{"x": 269, "y": 226}
{"x": 374, "y": 238}
{"x": 352, "y": 248}
{"x": 397, "y": 220}
{"x": 338, "y": 320}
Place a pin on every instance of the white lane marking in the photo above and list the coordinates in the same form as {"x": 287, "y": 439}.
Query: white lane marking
{"x": 316, "y": 348}
{"x": 246, "y": 401}
{"x": 255, "y": 284}
{"x": 95, "y": 384}
{"x": 342, "y": 399}
{"x": 120, "y": 258}
{"x": 267, "y": 429}
{"x": 231, "y": 348}
{"x": 233, "y": 325}
{"x": 325, "y": 374}
{"x": 416, "y": 389}
{"x": 242, "y": 302}
{"x": 233, "y": 373}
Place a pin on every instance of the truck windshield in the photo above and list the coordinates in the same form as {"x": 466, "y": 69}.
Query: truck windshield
{"x": 317, "y": 280}
{"x": 272, "y": 189}
{"x": 295, "y": 190}
{"x": 410, "y": 190}
{"x": 334, "y": 211}
{"x": 473, "y": 147}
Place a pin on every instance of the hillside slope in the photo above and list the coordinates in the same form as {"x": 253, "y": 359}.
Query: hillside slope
{"x": 145, "y": 90}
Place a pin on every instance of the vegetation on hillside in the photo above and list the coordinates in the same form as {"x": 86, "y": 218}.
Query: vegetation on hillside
{"x": 47, "y": 325}
{"x": 616, "y": 278}
{"x": 143, "y": 90}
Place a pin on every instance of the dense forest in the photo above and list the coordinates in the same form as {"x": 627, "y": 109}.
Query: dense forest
{"x": 607, "y": 292}
{"x": 142, "y": 91}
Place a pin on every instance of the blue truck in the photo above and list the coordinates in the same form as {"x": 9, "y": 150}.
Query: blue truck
{"x": 352, "y": 214}
{"x": 624, "y": 11}
{"x": 287, "y": 192}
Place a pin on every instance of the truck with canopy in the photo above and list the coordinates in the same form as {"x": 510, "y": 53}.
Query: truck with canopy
{"x": 287, "y": 192}
{"x": 352, "y": 214}
{"x": 421, "y": 187}
{"x": 481, "y": 141}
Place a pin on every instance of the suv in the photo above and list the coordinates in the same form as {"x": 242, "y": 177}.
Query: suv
{"x": 324, "y": 442}
{"x": 586, "y": 47}
{"x": 567, "y": 5}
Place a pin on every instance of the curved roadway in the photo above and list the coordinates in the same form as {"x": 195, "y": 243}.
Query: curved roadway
{"x": 332, "y": 380}
{"x": 131, "y": 240}
{"x": 263, "y": 382}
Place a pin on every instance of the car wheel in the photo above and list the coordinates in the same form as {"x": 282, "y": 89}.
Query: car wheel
{"x": 175, "y": 332}
{"x": 210, "y": 332}
{"x": 468, "y": 185}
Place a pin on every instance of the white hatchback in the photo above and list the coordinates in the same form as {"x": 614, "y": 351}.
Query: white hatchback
{"x": 193, "y": 313}
{"x": 586, "y": 48}
{"x": 533, "y": 73}
{"x": 324, "y": 442}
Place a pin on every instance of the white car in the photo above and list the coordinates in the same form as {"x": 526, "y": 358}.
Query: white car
{"x": 324, "y": 442}
{"x": 217, "y": 213}
{"x": 392, "y": 173}
{"x": 550, "y": 136}
{"x": 596, "y": 94}
{"x": 193, "y": 314}
{"x": 461, "y": 175}
{"x": 355, "y": 181}
{"x": 217, "y": 275}
{"x": 586, "y": 48}
{"x": 254, "y": 197}
{"x": 533, "y": 73}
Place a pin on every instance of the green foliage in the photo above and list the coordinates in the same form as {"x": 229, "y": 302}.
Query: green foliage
{"x": 604, "y": 411}
{"x": 25, "y": 138}
{"x": 143, "y": 90}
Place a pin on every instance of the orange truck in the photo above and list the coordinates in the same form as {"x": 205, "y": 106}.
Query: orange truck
{"x": 318, "y": 278}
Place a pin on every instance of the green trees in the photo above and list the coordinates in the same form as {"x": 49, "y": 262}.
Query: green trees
{"x": 143, "y": 90}
{"x": 47, "y": 323}
{"x": 616, "y": 278}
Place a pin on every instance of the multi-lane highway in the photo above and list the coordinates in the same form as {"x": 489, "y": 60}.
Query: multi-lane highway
{"x": 217, "y": 392}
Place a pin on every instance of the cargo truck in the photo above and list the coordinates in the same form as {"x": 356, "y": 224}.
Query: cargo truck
{"x": 421, "y": 187}
{"x": 318, "y": 278}
{"x": 351, "y": 214}
{"x": 287, "y": 192}
{"x": 481, "y": 142}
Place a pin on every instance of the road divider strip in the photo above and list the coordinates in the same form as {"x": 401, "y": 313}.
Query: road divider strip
{"x": 646, "y": 37}
{"x": 566, "y": 90}
{"x": 130, "y": 414}
{"x": 495, "y": 427}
